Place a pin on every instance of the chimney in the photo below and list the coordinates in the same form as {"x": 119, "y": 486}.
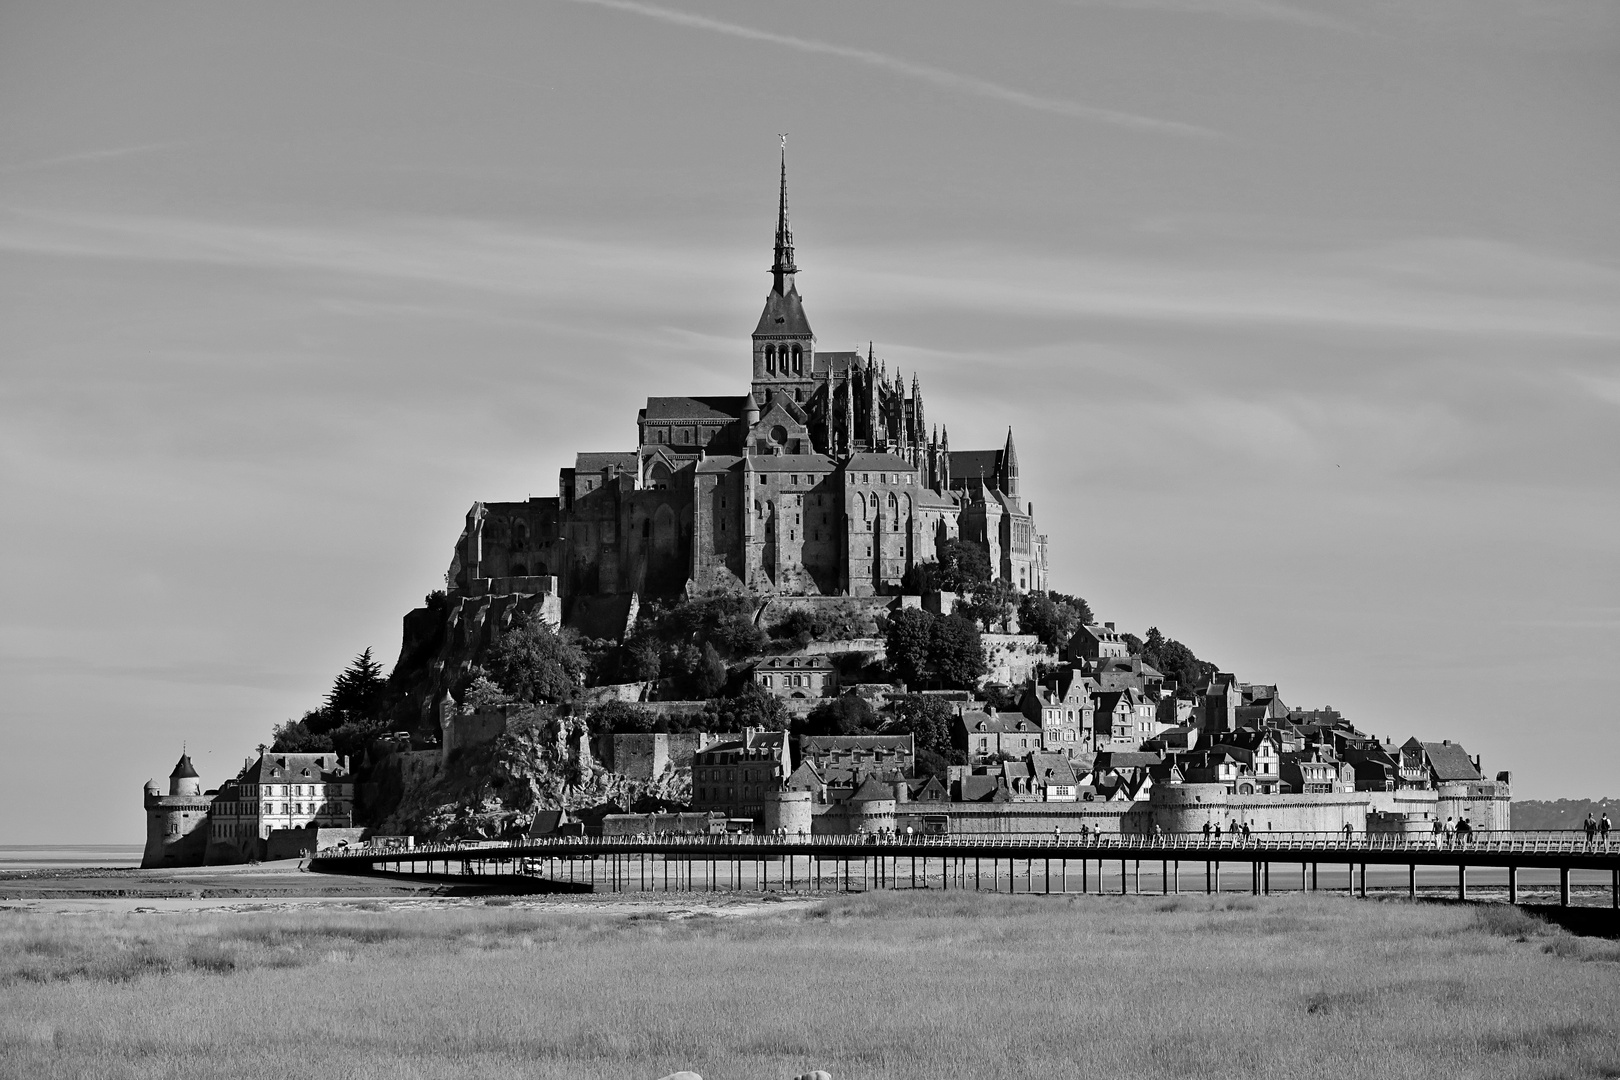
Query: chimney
{"x": 1109, "y": 625}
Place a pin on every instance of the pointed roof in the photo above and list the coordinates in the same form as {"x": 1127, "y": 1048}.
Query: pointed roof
{"x": 784, "y": 310}
{"x": 183, "y": 769}
{"x": 784, "y": 235}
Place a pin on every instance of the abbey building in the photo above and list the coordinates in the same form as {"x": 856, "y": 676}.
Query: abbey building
{"x": 825, "y": 478}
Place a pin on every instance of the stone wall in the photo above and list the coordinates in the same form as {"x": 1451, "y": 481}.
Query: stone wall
{"x": 1010, "y": 819}
{"x": 463, "y": 731}
{"x": 648, "y": 756}
{"x": 1011, "y": 658}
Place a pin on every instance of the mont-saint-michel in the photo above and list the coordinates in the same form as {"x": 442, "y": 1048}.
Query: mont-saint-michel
{"x": 1091, "y": 556}
{"x": 797, "y": 612}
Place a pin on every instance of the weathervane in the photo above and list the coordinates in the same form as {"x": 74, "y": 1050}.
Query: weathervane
{"x": 783, "y": 136}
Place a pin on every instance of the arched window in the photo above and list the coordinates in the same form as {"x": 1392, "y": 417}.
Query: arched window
{"x": 798, "y": 361}
{"x": 770, "y": 359}
{"x": 894, "y": 505}
{"x": 519, "y": 570}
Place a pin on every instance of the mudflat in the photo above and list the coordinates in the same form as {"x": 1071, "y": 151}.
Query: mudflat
{"x": 888, "y": 985}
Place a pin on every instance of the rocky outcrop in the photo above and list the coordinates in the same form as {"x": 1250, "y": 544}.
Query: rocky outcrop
{"x": 542, "y": 761}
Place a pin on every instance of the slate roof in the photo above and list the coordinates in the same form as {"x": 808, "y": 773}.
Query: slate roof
{"x": 783, "y": 316}
{"x": 867, "y": 462}
{"x": 183, "y": 769}
{"x": 1449, "y": 761}
{"x": 804, "y": 463}
{"x": 968, "y": 465}
{"x": 274, "y": 768}
{"x": 595, "y": 463}
{"x": 978, "y": 788}
{"x": 694, "y": 408}
{"x": 795, "y": 663}
{"x": 812, "y": 745}
{"x": 835, "y": 361}
{"x": 872, "y": 788}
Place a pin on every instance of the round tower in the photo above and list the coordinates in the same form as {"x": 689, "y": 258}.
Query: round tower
{"x": 176, "y": 823}
{"x": 788, "y": 812}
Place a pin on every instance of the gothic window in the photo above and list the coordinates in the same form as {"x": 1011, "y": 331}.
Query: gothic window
{"x": 770, "y": 359}
{"x": 894, "y": 504}
{"x": 798, "y": 361}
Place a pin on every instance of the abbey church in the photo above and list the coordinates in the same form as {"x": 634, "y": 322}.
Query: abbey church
{"x": 823, "y": 479}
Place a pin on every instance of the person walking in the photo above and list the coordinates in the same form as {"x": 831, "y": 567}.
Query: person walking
{"x": 1604, "y": 827}
{"x": 1217, "y": 832}
{"x": 1206, "y": 830}
{"x": 1591, "y": 827}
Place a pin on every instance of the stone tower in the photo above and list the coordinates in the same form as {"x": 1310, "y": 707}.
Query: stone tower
{"x": 176, "y": 823}
{"x": 784, "y": 345}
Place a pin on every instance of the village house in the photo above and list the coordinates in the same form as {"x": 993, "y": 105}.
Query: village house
{"x": 734, "y": 776}
{"x": 811, "y": 676}
{"x": 979, "y": 734}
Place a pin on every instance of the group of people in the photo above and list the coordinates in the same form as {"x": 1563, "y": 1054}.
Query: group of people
{"x": 1597, "y": 830}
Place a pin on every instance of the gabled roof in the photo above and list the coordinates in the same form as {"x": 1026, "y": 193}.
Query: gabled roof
{"x": 694, "y": 408}
{"x": 979, "y": 788}
{"x": 811, "y": 745}
{"x": 1449, "y": 761}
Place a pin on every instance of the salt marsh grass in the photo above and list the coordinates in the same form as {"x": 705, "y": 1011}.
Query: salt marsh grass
{"x": 893, "y": 985}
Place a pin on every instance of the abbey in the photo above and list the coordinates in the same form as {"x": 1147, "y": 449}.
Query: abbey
{"x": 823, "y": 479}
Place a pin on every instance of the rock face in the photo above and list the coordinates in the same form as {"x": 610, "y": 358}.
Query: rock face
{"x": 542, "y": 761}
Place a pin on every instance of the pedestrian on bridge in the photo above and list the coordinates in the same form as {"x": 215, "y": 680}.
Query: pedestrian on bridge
{"x": 1604, "y": 827}
{"x": 1591, "y": 827}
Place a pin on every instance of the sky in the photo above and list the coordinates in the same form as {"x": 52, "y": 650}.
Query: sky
{"x": 1306, "y": 319}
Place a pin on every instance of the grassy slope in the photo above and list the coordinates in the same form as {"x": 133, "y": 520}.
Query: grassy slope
{"x": 888, "y": 985}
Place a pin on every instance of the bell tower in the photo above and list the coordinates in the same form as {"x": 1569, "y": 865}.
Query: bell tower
{"x": 784, "y": 344}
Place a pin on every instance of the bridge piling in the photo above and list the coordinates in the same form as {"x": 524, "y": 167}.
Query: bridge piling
{"x": 1563, "y": 886}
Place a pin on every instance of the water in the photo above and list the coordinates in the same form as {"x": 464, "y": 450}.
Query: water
{"x": 15, "y": 857}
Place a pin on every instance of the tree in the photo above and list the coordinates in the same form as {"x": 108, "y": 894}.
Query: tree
{"x": 357, "y": 694}
{"x": 724, "y": 620}
{"x": 907, "y": 639}
{"x": 1176, "y": 662}
{"x": 1132, "y": 643}
{"x": 955, "y": 653}
{"x": 296, "y": 737}
{"x": 535, "y": 663}
{"x": 754, "y": 706}
{"x": 847, "y": 714}
{"x": 927, "y": 720}
{"x": 1082, "y": 610}
{"x": 621, "y": 718}
{"x": 992, "y": 604}
{"x": 708, "y": 675}
{"x": 962, "y": 565}
{"x": 1048, "y": 619}
{"x": 483, "y": 693}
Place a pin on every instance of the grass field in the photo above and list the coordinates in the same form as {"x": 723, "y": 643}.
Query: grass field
{"x": 880, "y": 985}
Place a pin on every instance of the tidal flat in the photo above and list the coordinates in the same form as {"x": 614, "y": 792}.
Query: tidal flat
{"x": 895, "y": 985}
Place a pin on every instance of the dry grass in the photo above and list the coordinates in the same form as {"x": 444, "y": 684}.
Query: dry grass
{"x": 887, "y": 985}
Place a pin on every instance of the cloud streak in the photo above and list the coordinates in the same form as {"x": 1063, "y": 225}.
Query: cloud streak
{"x": 1452, "y": 287}
{"x": 934, "y": 76}
{"x": 88, "y": 155}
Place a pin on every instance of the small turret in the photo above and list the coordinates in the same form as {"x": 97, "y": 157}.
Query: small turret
{"x": 184, "y": 781}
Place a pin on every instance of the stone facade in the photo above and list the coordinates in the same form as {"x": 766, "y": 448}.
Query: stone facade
{"x": 177, "y": 823}
{"x": 823, "y": 479}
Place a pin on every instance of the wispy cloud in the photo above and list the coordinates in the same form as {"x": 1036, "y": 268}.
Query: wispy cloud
{"x": 940, "y": 77}
{"x": 84, "y": 156}
{"x": 1461, "y": 287}
{"x": 1230, "y": 9}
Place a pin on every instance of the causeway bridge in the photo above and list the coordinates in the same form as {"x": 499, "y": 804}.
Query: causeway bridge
{"x": 1096, "y": 863}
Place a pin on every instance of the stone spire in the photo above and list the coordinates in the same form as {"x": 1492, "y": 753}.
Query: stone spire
{"x": 783, "y": 270}
{"x": 1007, "y": 481}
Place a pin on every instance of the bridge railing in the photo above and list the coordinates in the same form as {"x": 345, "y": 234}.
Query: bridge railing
{"x": 1328, "y": 843}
